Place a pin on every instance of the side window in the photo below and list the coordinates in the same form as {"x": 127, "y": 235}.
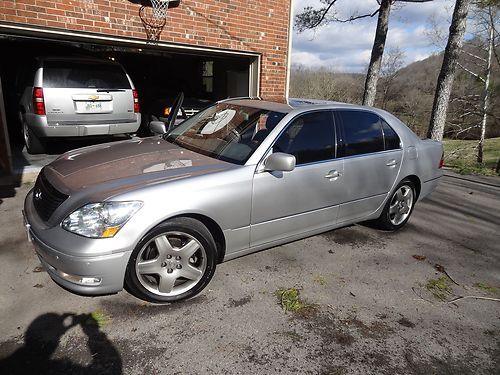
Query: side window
{"x": 362, "y": 132}
{"x": 310, "y": 138}
{"x": 391, "y": 139}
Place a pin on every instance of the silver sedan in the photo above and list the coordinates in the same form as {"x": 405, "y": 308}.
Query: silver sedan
{"x": 158, "y": 214}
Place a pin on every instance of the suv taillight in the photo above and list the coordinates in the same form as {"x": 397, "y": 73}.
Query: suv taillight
{"x": 137, "y": 109}
{"x": 38, "y": 102}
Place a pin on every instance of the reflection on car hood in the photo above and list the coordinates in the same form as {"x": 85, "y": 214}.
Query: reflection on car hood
{"x": 127, "y": 163}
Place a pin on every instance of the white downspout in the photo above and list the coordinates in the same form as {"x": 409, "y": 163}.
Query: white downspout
{"x": 289, "y": 62}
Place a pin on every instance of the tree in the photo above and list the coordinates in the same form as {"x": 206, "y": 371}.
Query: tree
{"x": 311, "y": 18}
{"x": 392, "y": 63}
{"x": 448, "y": 69}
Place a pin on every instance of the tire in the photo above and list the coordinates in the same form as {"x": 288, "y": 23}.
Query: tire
{"x": 399, "y": 207}
{"x": 174, "y": 261}
{"x": 34, "y": 145}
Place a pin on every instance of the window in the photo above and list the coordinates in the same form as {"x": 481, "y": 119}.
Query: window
{"x": 225, "y": 131}
{"x": 208, "y": 76}
{"x": 69, "y": 74}
{"x": 391, "y": 139}
{"x": 310, "y": 138}
{"x": 362, "y": 132}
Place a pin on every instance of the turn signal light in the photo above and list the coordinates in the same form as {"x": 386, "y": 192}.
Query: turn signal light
{"x": 38, "y": 102}
{"x": 137, "y": 108}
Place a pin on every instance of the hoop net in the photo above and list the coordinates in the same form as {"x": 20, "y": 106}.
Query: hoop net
{"x": 154, "y": 18}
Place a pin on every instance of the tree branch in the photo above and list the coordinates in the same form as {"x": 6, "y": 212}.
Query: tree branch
{"x": 471, "y": 72}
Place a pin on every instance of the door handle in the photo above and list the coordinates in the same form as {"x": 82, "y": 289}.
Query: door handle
{"x": 391, "y": 163}
{"x": 333, "y": 174}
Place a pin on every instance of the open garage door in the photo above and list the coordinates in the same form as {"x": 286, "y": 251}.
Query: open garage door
{"x": 159, "y": 72}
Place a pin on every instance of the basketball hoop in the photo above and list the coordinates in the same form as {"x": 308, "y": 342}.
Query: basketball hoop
{"x": 154, "y": 18}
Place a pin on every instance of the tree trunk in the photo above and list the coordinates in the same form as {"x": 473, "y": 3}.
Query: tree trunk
{"x": 377, "y": 53}
{"x": 486, "y": 94}
{"x": 448, "y": 69}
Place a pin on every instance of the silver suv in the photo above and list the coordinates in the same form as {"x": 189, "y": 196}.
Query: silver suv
{"x": 68, "y": 97}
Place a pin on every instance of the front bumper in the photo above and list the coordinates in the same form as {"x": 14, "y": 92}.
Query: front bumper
{"x": 84, "y": 275}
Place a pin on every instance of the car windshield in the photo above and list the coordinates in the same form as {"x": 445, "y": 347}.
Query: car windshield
{"x": 226, "y": 131}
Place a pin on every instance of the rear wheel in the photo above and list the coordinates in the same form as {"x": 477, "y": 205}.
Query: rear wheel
{"x": 399, "y": 207}
{"x": 34, "y": 145}
{"x": 174, "y": 261}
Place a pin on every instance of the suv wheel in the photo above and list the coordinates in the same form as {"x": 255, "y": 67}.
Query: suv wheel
{"x": 33, "y": 144}
{"x": 174, "y": 261}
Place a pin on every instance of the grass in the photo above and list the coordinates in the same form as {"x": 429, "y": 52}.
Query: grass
{"x": 460, "y": 155}
{"x": 440, "y": 287}
{"x": 486, "y": 287}
{"x": 290, "y": 299}
{"x": 98, "y": 318}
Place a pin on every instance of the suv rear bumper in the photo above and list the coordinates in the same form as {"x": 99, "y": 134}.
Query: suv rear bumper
{"x": 41, "y": 128}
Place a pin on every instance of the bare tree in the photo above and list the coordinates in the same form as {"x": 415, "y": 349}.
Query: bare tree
{"x": 311, "y": 18}
{"x": 448, "y": 69}
{"x": 392, "y": 62}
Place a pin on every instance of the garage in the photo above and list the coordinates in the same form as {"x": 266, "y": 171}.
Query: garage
{"x": 159, "y": 72}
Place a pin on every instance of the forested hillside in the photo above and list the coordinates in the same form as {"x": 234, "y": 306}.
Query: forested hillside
{"x": 408, "y": 93}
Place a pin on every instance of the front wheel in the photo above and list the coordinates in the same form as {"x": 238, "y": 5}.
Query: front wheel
{"x": 399, "y": 207}
{"x": 174, "y": 261}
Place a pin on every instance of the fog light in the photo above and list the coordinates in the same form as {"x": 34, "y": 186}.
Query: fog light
{"x": 81, "y": 280}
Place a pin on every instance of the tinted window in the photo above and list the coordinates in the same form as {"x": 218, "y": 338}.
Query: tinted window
{"x": 391, "y": 139}
{"x": 68, "y": 74}
{"x": 310, "y": 138}
{"x": 362, "y": 132}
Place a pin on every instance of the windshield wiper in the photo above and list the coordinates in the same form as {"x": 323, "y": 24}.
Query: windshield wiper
{"x": 111, "y": 90}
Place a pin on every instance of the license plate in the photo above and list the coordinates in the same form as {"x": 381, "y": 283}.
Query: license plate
{"x": 93, "y": 107}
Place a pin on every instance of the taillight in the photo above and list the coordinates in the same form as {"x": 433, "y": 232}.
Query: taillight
{"x": 38, "y": 102}
{"x": 441, "y": 162}
{"x": 137, "y": 109}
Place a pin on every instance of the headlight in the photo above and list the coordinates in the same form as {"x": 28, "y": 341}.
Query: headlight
{"x": 100, "y": 220}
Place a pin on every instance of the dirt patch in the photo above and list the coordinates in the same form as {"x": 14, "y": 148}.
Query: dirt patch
{"x": 406, "y": 323}
{"x": 353, "y": 236}
{"x": 374, "y": 330}
{"x": 239, "y": 302}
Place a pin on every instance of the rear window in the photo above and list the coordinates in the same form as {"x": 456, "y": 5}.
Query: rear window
{"x": 68, "y": 74}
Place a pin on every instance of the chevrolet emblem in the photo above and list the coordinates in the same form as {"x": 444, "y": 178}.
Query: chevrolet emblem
{"x": 93, "y": 97}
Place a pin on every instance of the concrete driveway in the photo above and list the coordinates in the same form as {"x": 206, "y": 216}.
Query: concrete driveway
{"x": 375, "y": 303}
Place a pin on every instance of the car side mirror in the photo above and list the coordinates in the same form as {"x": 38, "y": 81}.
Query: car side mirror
{"x": 157, "y": 127}
{"x": 279, "y": 161}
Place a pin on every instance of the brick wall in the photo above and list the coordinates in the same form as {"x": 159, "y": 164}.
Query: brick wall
{"x": 247, "y": 25}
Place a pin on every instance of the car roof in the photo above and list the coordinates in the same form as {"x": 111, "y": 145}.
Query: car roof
{"x": 261, "y": 104}
{"x": 295, "y": 104}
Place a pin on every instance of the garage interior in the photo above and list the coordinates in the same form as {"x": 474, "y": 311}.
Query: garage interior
{"x": 159, "y": 72}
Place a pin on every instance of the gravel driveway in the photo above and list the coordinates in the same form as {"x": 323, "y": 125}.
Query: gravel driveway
{"x": 369, "y": 302}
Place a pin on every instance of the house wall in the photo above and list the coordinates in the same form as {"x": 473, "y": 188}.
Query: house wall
{"x": 259, "y": 26}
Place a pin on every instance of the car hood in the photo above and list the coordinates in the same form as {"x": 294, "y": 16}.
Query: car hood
{"x": 120, "y": 166}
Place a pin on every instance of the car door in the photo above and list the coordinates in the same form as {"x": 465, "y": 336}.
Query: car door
{"x": 286, "y": 204}
{"x": 371, "y": 162}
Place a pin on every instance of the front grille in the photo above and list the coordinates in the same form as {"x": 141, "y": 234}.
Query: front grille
{"x": 46, "y": 198}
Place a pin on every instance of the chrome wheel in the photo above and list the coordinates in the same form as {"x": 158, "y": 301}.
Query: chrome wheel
{"x": 170, "y": 264}
{"x": 401, "y": 205}
{"x": 26, "y": 135}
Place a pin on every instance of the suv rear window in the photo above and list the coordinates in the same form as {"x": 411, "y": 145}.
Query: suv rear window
{"x": 68, "y": 74}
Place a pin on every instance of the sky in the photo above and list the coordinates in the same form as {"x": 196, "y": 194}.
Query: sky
{"x": 346, "y": 47}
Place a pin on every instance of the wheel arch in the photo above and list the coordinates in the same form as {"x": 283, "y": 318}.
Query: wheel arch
{"x": 416, "y": 181}
{"x": 214, "y": 229}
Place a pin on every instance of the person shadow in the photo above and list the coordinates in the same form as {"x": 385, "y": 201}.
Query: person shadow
{"x": 42, "y": 338}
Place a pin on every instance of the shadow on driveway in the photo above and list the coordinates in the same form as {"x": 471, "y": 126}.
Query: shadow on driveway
{"x": 42, "y": 338}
